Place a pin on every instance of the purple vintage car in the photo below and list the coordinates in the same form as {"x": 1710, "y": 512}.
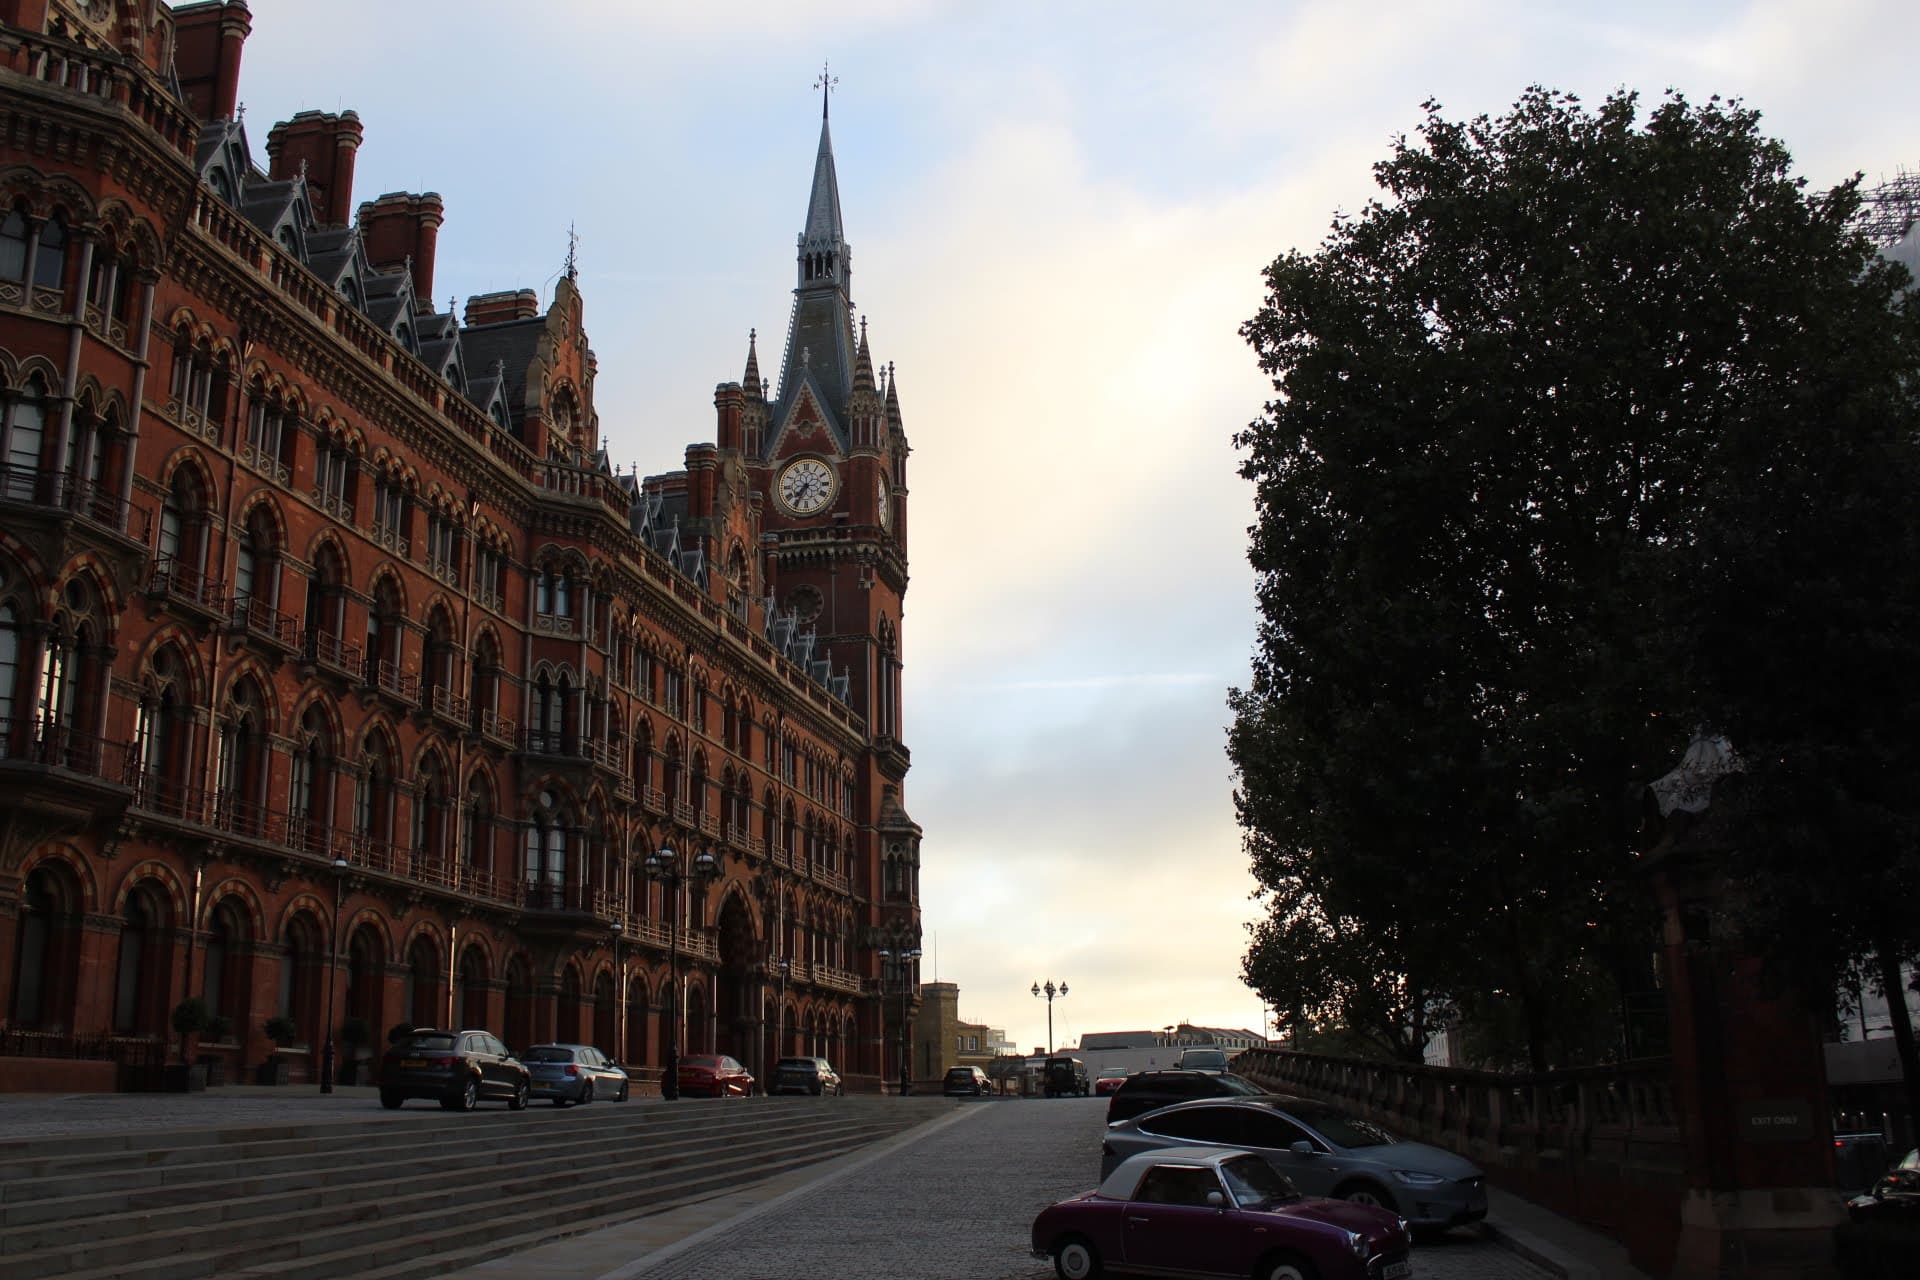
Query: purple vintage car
{"x": 1214, "y": 1212}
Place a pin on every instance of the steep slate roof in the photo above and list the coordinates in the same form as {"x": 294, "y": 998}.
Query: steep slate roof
{"x": 820, "y": 339}
{"x": 514, "y": 341}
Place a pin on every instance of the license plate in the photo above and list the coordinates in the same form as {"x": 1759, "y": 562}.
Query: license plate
{"x": 412, "y": 1064}
{"x": 1396, "y": 1270}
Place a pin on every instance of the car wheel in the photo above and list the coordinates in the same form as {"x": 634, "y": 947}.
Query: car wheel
{"x": 622, "y": 1095}
{"x": 1368, "y": 1194}
{"x": 469, "y": 1096}
{"x": 1287, "y": 1269}
{"x": 1076, "y": 1259}
{"x": 586, "y": 1093}
{"x": 518, "y": 1102}
{"x": 391, "y": 1101}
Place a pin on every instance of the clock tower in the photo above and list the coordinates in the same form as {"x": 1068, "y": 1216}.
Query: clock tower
{"x": 827, "y": 449}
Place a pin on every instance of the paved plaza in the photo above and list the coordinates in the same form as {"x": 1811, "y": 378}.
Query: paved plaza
{"x": 956, "y": 1202}
{"x": 951, "y": 1198}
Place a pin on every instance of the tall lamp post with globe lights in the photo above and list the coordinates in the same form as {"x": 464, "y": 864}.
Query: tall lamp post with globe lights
{"x": 902, "y": 959}
{"x": 340, "y": 868}
{"x": 676, "y": 869}
{"x": 1050, "y": 991}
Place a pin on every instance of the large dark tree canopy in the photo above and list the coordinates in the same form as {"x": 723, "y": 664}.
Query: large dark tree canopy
{"x": 1510, "y": 394}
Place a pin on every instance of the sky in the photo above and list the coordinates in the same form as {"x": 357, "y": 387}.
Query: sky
{"x": 1058, "y": 216}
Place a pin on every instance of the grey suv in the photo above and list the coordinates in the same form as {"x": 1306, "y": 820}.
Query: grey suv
{"x": 806, "y": 1075}
{"x": 1321, "y": 1149}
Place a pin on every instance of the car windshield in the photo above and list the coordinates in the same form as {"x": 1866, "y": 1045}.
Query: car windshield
{"x": 441, "y": 1043}
{"x": 1255, "y": 1183}
{"x": 1342, "y": 1129}
{"x": 797, "y": 1064}
{"x": 960, "y": 1073}
{"x": 547, "y": 1053}
{"x": 699, "y": 1062}
{"x": 1113, "y": 1073}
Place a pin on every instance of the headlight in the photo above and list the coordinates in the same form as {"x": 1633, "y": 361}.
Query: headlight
{"x": 1414, "y": 1178}
{"x": 1357, "y": 1243}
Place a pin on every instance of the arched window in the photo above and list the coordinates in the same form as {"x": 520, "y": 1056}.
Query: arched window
{"x": 9, "y": 670}
{"x": 26, "y": 431}
{"x": 436, "y": 659}
{"x": 256, "y": 575}
{"x": 327, "y": 595}
{"x": 242, "y": 760}
{"x": 476, "y": 844}
{"x": 46, "y": 950}
{"x": 144, "y": 964}
{"x": 546, "y": 864}
{"x": 182, "y": 524}
{"x": 50, "y": 262}
{"x": 373, "y": 797}
{"x": 386, "y": 631}
{"x": 430, "y": 826}
{"x": 13, "y": 246}
{"x": 310, "y": 793}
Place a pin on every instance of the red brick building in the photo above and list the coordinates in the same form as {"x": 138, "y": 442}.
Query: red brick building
{"x": 339, "y": 670}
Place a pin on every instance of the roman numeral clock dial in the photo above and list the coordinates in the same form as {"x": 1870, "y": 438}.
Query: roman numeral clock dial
{"x": 806, "y": 486}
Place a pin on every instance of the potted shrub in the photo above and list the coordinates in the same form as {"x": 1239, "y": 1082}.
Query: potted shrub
{"x": 354, "y": 1034}
{"x": 190, "y": 1017}
{"x": 281, "y": 1030}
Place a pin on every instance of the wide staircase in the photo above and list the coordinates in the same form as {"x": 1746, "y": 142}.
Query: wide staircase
{"x": 397, "y": 1196}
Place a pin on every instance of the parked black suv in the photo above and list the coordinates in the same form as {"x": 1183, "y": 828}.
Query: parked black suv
{"x": 1065, "y": 1077}
{"x": 966, "y": 1082}
{"x": 806, "y": 1075}
{"x": 1153, "y": 1089}
{"x": 455, "y": 1068}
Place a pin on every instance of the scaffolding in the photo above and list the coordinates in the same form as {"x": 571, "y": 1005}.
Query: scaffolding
{"x": 1889, "y": 210}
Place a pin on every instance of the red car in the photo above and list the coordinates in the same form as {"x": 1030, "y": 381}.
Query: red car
{"x": 1217, "y": 1213}
{"x": 710, "y": 1075}
{"x": 1108, "y": 1082}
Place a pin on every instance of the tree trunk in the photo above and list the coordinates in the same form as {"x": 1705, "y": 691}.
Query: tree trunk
{"x": 1896, "y": 992}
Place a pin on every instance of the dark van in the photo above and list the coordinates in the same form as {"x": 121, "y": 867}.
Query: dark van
{"x": 1066, "y": 1077}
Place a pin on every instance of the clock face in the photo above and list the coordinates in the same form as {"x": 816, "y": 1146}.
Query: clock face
{"x": 880, "y": 501}
{"x": 806, "y": 486}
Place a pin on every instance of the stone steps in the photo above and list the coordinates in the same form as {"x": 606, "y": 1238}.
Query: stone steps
{"x": 396, "y": 1198}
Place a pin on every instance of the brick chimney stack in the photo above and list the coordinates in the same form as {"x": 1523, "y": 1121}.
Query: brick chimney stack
{"x": 492, "y": 308}
{"x": 399, "y": 227}
{"x": 206, "y": 55}
{"x": 326, "y": 144}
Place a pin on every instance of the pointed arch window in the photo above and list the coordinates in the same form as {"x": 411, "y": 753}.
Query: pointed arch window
{"x": 50, "y": 259}
{"x": 14, "y": 234}
{"x": 373, "y": 797}
{"x": 26, "y": 432}
{"x": 546, "y": 860}
{"x": 476, "y": 842}
{"x": 310, "y": 792}
{"x": 430, "y": 812}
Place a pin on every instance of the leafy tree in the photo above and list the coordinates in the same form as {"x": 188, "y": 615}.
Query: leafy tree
{"x": 1507, "y": 393}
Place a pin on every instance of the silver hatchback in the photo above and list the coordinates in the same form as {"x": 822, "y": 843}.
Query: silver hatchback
{"x": 1321, "y": 1149}
{"x": 570, "y": 1073}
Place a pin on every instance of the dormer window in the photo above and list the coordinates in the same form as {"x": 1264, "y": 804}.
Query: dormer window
{"x": 350, "y": 290}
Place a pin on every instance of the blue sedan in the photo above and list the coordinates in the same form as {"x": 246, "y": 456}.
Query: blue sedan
{"x": 574, "y": 1073}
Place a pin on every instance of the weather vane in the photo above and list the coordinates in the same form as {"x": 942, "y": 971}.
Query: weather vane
{"x": 573, "y": 250}
{"x": 826, "y": 84}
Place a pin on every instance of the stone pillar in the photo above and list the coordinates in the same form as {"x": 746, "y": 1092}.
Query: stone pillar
{"x": 1749, "y": 1071}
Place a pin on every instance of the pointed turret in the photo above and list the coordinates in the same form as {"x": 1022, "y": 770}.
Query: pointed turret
{"x": 893, "y": 401}
{"x": 750, "y": 380}
{"x": 863, "y": 362}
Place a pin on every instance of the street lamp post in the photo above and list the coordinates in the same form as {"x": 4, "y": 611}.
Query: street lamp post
{"x": 673, "y": 867}
{"x": 340, "y": 866}
{"x": 784, "y": 966}
{"x": 903, "y": 958}
{"x": 1050, "y": 991}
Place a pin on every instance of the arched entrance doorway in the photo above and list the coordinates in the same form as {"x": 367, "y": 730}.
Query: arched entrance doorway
{"x": 47, "y": 950}
{"x": 737, "y": 988}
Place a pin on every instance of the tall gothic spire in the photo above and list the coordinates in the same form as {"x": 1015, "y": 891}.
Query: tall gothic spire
{"x": 820, "y": 341}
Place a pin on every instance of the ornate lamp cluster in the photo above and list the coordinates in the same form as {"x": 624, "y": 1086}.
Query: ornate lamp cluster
{"x": 674, "y": 867}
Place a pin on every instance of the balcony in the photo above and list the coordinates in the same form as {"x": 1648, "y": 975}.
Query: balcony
{"x": 257, "y": 621}
{"x": 737, "y": 837}
{"x": 67, "y": 498}
{"x": 386, "y": 678}
{"x": 450, "y": 708}
{"x": 653, "y": 800}
{"x": 622, "y": 787}
{"x": 683, "y": 813}
{"x": 332, "y": 655}
{"x": 605, "y": 756}
{"x": 187, "y": 590}
{"x": 55, "y": 781}
{"x": 498, "y": 730}
{"x": 710, "y": 825}
{"x": 265, "y": 463}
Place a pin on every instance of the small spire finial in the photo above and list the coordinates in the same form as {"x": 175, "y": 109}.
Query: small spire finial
{"x": 573, "y": 253}
{"x": 826, "y": 84}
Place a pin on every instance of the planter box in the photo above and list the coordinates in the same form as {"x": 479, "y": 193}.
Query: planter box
{"x": 181, "y": 1078}
{"x": 272, "y": 1071}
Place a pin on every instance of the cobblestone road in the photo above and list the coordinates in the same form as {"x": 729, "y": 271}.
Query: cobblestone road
{"x": 957, "y": 1203}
